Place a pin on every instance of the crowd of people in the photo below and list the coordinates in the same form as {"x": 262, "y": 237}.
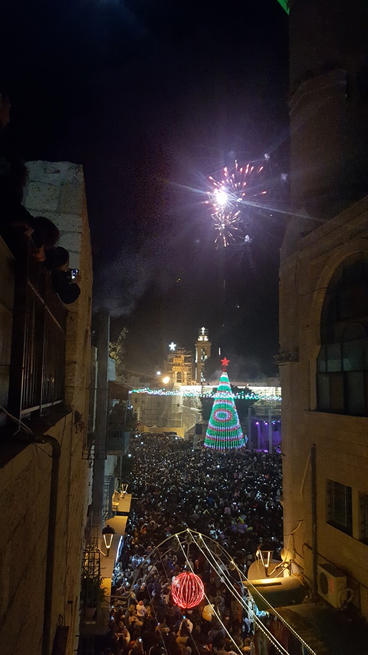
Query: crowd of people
{"x": 21, "y": 231}
{"x": 231, "y": 497}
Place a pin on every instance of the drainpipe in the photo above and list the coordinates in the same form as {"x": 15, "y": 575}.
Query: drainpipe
{"x": 51, "y": 534}
{"x": 314, "y": 521}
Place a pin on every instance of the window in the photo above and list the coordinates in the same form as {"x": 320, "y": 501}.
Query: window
{"x": 339, "y": 506}
{"x": 342, "y": 365}
{"x": 364, "y": 518}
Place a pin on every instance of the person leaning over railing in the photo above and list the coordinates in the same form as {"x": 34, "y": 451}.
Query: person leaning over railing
{"x": 44, "y": 235}
{"x": 57, "y": 261}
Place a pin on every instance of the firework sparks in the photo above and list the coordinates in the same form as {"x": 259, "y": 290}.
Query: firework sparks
{"x": 226, "y": 226}
{"x": 228, "y": 199}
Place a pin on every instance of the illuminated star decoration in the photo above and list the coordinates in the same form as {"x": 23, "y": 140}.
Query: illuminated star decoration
{"x": 228, "y": 200}
{"x": 172, "y": 346}
{"x": 225, "y": 363}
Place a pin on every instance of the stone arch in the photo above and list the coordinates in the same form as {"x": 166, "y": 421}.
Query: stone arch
{"x": 338, "y": 256}
{"x": 340, "y": 343}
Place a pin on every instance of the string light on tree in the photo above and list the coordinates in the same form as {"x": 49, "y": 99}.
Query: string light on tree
{"x": 187, "y": 590}
{"x": 224, "y": 430}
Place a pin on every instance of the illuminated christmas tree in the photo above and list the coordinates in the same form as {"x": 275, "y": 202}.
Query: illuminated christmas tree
{"x": 224, "y": 431}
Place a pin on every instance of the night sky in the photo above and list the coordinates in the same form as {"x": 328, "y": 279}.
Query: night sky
{"x": 152, "y": 96}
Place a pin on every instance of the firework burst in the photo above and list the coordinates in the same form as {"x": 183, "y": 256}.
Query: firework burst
{"x": 232, "y": 196}
{"x": 227, "y": 226}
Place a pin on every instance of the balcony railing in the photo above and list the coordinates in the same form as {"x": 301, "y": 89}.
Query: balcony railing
{"x": 117, "y": 442}
{"x": 37, "y": 369}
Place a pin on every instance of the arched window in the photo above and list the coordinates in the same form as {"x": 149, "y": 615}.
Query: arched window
{"x": 342, "y": 365}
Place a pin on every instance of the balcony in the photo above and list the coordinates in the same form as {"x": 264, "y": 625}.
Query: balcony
{"x": 37, "y": 364}
{"x": 117, "y": 442}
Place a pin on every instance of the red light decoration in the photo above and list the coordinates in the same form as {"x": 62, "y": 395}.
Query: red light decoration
{"x": 187, "y": 590}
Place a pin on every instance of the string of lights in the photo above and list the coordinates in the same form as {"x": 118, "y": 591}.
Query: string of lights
{"x": 217, "y": 615}
{"x": 222, "y": 572}
{"x": 200, "y": 540}
{"x": 224, "y": 431}
{"x": 241, "y": 599}
{"x": 185, "y": 393}
{"x": 169, "y": 582}
{"x": 234, "y": 592}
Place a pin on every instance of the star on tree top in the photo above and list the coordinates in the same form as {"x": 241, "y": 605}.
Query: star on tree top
{"x": 225, "y": 363}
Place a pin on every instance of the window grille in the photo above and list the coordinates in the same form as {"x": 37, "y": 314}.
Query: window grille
{"x": 339, "y": 506}
{"x": 342, "y": 365}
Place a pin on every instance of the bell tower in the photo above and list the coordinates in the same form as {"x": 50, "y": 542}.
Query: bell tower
{"x": 203, "y": 352}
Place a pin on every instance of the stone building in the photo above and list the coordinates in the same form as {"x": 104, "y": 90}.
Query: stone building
{"x": 44, "y": 477}
{"x": 202, "y": 353}
{"x": 180, "y": 367}
{"x": 324, "y": 304}
{"x": 166, "y": 413}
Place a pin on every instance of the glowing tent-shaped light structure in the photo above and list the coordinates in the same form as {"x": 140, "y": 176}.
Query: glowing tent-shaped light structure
{"x": 187, "y": 590}
{"x": 224, "y": 430}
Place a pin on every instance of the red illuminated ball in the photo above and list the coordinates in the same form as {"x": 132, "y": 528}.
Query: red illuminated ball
{"x": 187, "y": 590}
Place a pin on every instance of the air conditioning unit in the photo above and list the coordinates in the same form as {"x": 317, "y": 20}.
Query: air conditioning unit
{"x": 332, "y": 584}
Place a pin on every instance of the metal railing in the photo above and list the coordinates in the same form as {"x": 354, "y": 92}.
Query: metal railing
{"x": 117, "y": 442}
{"x": 108, "y": 492}
{"x": 37, "y": 369}
{"x": 91, "y": 582}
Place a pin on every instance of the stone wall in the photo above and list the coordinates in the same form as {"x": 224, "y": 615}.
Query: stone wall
{"x": 341, "y": 441}
{"x": 328, "y": 98}
{"x": 55, "y": 190}
{"x": 24, "y": 503}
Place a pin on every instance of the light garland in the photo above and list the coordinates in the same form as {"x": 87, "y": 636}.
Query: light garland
{"x": 234, "y": 591}
{"x": 217, "y": 615}
{"x": 241, "y": 395}
{"x": 224, "y": 430}
{"x": 198, "y": 538}
{"x": 221, "y": 573}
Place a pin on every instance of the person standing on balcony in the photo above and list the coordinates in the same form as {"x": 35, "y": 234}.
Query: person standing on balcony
{"x": 44, "y": 235}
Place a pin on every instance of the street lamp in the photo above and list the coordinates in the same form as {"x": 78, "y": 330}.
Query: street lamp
{"x": 166, "y": 380}
{"x": 108, "y": 534}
